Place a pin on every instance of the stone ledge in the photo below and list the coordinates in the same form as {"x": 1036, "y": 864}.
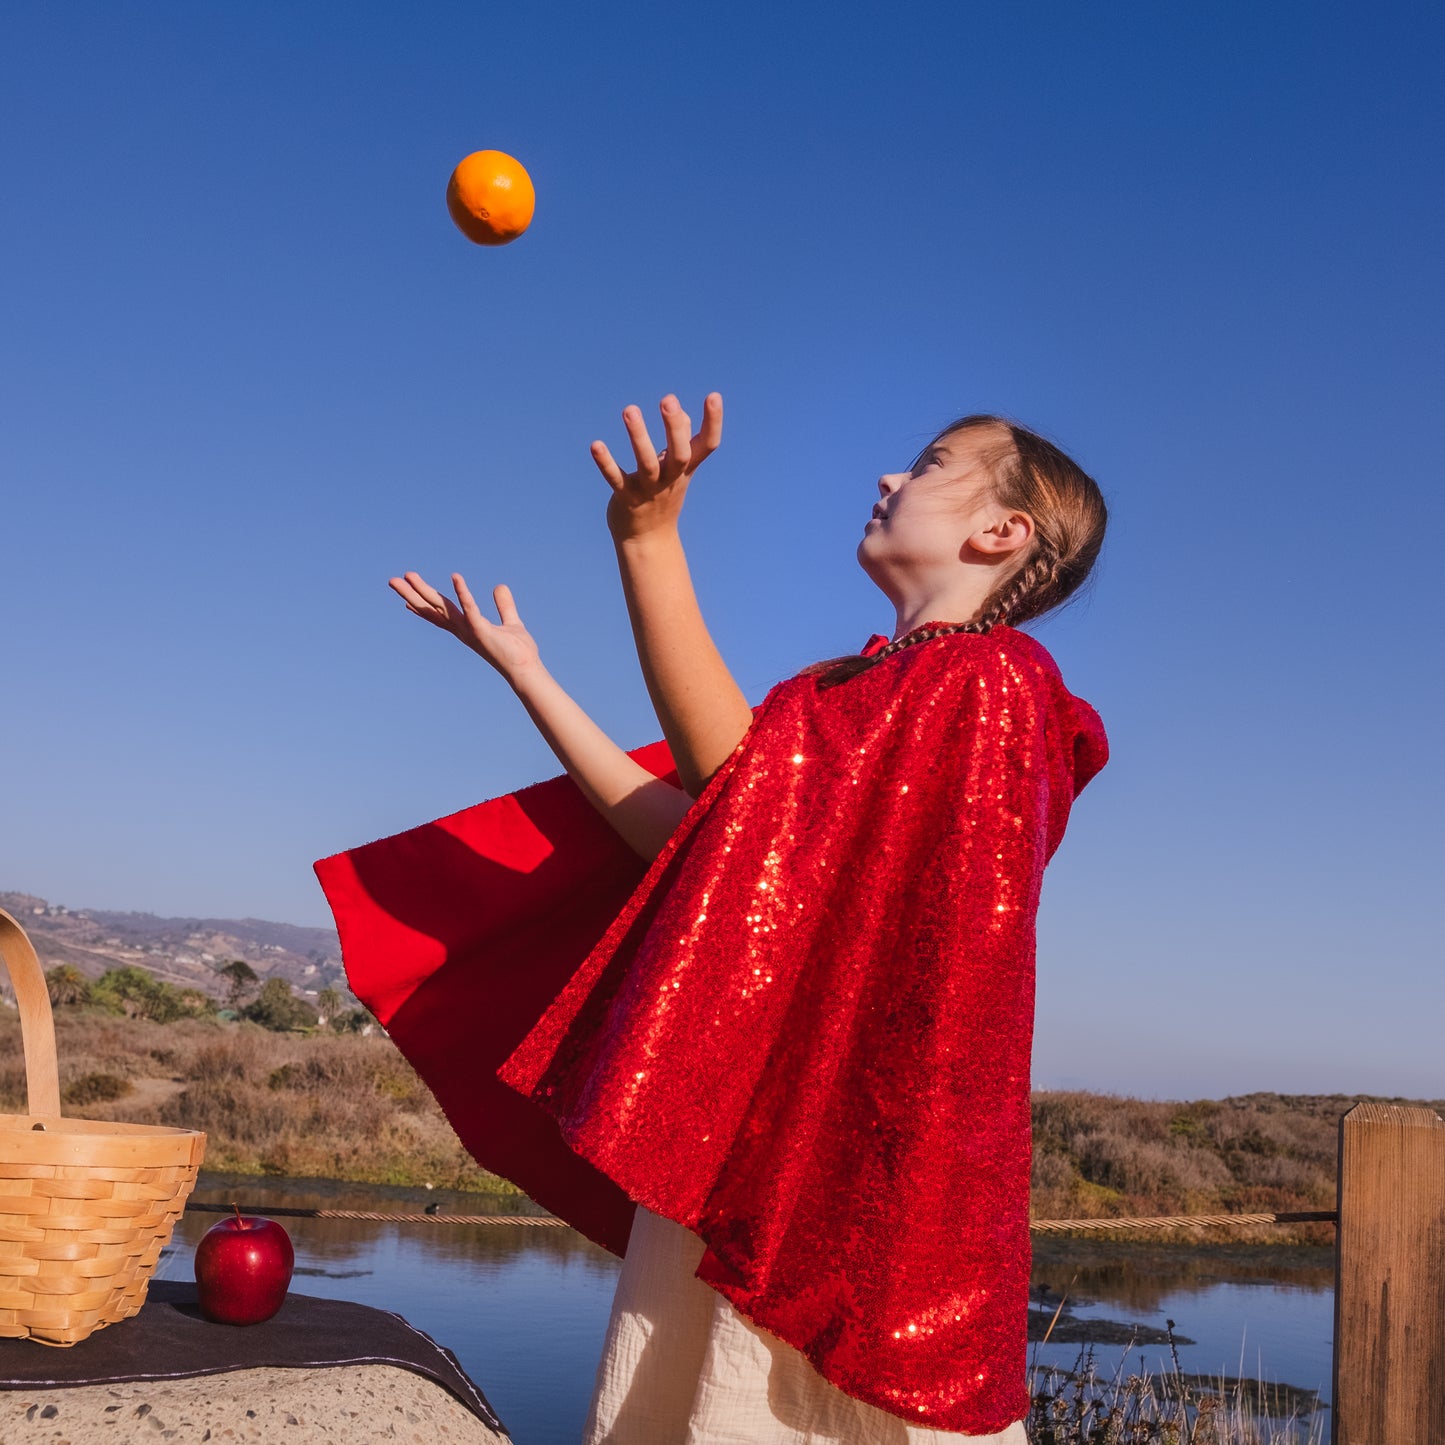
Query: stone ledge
{"x": 358, "y": 1404}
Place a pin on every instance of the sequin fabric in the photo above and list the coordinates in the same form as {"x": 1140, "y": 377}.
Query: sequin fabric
{"x": 807, "y": 1035}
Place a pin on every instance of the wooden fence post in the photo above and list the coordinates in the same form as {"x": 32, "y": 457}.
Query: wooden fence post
{"x": 1389, "y": 1377}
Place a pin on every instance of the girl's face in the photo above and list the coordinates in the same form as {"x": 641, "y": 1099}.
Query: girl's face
{"x": 924, "y": 519}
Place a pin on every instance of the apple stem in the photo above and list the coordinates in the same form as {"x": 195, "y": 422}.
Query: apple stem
{"x": 240, "y": 1223}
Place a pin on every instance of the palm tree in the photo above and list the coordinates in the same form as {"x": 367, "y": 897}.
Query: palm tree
{"x": 67, "y": 985}
{"x": 328, "y": 1004}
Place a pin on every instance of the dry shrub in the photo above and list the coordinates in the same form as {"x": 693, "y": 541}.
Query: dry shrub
{"x": 234, "y": 1115}
{"x": 241, "y": 1052}
{"x": 88, "y": 1044}
{"x": 96, "y": 1089}
{"x": 1101, "y": 1154}
{"x": 1053, "y": 1171}
{"x": 12, "y": 1088}
{"x": 346, "y": 1064}
{"x": 341, "y": 1106}
{"x": 1147, "y": 1169}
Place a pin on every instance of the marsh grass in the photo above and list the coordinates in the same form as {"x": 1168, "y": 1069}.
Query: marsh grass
{"x": 1080, "y": 1407}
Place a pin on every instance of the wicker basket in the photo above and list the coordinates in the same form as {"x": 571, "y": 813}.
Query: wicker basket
{"x": 85, "y": 1207}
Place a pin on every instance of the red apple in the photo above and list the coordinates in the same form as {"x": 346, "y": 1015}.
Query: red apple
{"x": 243, "y": 1268}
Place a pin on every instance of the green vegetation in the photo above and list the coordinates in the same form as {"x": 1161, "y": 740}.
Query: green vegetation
{"x": 278, "y": 1009}
{"x": 137, "y": 993}
{"x": 133, "y": 992}
{"x": 352, "y": 1021}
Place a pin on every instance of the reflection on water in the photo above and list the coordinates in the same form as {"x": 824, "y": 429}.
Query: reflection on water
{"x": 525, "y": 1309}
{"x": 1140, "y": 1276}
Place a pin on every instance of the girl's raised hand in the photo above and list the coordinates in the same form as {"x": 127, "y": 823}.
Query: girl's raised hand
{"x": 508, "y": 646}
{"x": 651, "y": 497}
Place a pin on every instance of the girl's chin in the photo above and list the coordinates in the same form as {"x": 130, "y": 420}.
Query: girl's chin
{"x": 873, "y": 544}
{"x": 870, "y": 562}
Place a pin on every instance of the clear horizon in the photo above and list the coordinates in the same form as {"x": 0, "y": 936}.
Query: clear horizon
{"x": 252, "y": 371}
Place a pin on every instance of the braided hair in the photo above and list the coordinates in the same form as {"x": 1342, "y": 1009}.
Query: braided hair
{"x": 1032, "y": 475}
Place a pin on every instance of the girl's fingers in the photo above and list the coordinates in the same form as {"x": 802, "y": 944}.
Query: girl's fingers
{"x": 642, "y": 449}
{"x": 677, "y": 424}
{"x": 472, "y": 612}
{"x": 411, "y": 596}
{"x": 681, "y": 454}
{"x": 506, "y": 607}
{"x": 423, "y": 599}
{"x": 709, "y": 434}
{"x": 609, "y": 469}
{"x": 427, "y": 591}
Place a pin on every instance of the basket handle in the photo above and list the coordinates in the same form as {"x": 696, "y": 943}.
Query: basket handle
{"x": 37, "y": 1025}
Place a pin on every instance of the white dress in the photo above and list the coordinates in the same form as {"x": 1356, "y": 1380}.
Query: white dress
{"x": 682, "y": 1367}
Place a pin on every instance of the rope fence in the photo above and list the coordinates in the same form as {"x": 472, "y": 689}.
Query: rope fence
{"x": 1036, "y": 1226}
{"x": 420, "y": 1217}
{"x": 1172, "y": 1221}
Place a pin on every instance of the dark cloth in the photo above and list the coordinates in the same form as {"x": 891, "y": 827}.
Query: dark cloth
{"x": 170, "y": 1340}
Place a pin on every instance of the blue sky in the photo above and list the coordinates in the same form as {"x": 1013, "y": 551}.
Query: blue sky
{"x": 250, "y": 370}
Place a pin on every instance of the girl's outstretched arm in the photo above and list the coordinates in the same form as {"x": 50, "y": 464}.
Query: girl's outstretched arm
{"x": 701, "y": 709}
{"x": 643, "y": 809}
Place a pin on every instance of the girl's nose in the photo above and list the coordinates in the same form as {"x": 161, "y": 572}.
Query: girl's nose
{"x": 889, "y": 484}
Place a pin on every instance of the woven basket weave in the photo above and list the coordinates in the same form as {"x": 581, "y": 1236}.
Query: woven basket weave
{"x": 85, "y": 1207}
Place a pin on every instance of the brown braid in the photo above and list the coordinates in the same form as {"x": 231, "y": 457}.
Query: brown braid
{"x": 1032, "y": 582}
{"x": 1069, "y": 518}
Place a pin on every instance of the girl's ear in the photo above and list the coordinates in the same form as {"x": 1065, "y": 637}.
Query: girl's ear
{"x": 1008, "y": 534}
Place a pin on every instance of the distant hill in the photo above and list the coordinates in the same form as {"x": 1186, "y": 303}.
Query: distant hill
{"x": 183, "y": 951}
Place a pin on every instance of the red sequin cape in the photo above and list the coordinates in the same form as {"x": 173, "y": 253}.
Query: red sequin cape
{"x": 803, "y": 1032}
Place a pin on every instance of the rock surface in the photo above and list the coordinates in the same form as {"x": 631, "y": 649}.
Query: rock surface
{"x": 357, "y": 1403}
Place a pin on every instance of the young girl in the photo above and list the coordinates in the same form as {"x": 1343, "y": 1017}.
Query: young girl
{"x": 785, "y": 1072}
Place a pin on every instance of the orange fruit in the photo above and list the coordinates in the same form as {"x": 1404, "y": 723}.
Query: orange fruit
{"x": 490, "y": 197}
